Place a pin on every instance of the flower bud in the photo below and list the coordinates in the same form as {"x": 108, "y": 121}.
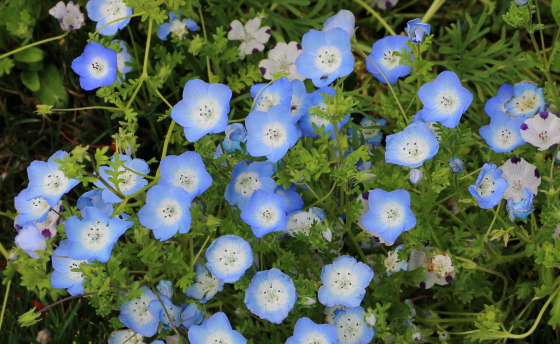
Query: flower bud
{"x": 416, "y": 31}
{"x": 327, "y": 234}
{"x": 456, "y": 165}
{"x": 371, "y": 320}
{"x": 521, "y": 2}
{"x": 310, "y": 301}
{"x": 416, "y": 176}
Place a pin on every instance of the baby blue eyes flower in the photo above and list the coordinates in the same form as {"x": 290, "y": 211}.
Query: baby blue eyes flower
{"x": 520, "y": 175}
{"x": 229, "y": 257}
{"x": 392, "y": 262}
{"x": 186, "y": 171}
{"x": 94, "y": 198}
{"x": 30, "y": 239}
{"x": 203, "y": 110}
{"x": 63, "y": 277}
{"x": 106, "y": 11}
{"x": 136, "y": 316}
{"x": 497, "y": 104}
{"x": 97, "y": 66}
{"x": 271, "y": 295}
{"x": 30, "y": 211}
{"x": 165, "y": 288}
{"x": 523, "y": 208}
{"x": 445, "y": 99}
{"x": 294, "y": 202}
{"x": 206, "y": 286}
{"x": 69, "y": 16}
{"x": 301, "y": 221}
{"x": 521, "y": 2}
{"x": 277, "y": 93}
{"x": 235, "y": 134}
{"x": 190, "y": 315}
{"x": 246, "y": 179}
{"x": 456, "y": 165}
{"x": 125, "y": 337}
{"x": 326, "y": 56}
{"x": 94, "y": 236}
{"x": 503, "y": 134}
{"x": 307, "y": 120}
{"x": 123, "y": 57}
{"x": 389, "y": 213}
{"x": 412, "y": 146}
{"x": 217, "y": 329}
{"x": 131, "y": 182}
{"x": 306, "y": 331}
{"x": 177, "y": 27}
{"x": 252, "y": 36}
{"x": 416, "y": 30}
{"x": 371, "y": 136}
{"x": 351, "y": 328}
{"x": 527, "y": 100}
{"x": 490, "y": 186}
{"x": 382, "y": 54}
{"x": 282, "y": 58}
{"x": 301, "y": 100}
{"x": 156, "y": 309}
{"x": 344, "y": 20}
{"x": 542, "y": 131}
{"x": 265, "y": 213}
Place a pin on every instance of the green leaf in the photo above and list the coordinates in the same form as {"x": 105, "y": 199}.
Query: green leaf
{"x": 555, "y": 6}
{"x": 6, "y": 66}
{"x": 52, "y": 91}
{"x": 31, "y": 80}
{"x": 43, "y": 109}
{"x": 29, "y": 55}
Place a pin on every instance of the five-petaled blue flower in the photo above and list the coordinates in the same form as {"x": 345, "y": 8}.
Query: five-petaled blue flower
{"x": 497, "y": 104}
{"x": 301, "y": 100}
{"x": 97, "y": 66}
{"x": 416, "y": 30}
{"x": 265, "y": 213}
{"x": 178, "y": 27}
{"x": 490, "y": 186}
{"x": 156, "y": 309}
{"x": 216, "y": 329}
{"x": 526, "y": 101}
{"x": 456, "y": 165}
{"x": 306, "y": 331}
{"x": 136, "y": 316}
{"x": 206, "y": 285}
{"x": 229, "y": 257}
{"x": 344, "y": 282}
{"x": 344, "y": 20}
{"x": 130, "y": 181}
{"x": 235, "y": 134}
{"x": 383, "y": 62}
{"x": 523, "y": 208}
{"x": 371, "y": 136}
{"x": 127, "y": 337}
{"x": 307, "y": 120}
{"x": 412, "y": 146}
{"x": 294, "y": 202}
{"x": 30, "y": 211}
{"x": 106, "y": 11}
{"x": 503, "y": 134}
{"x": 30, "y": 239}
{"x": 186, "y": 171}
{"x": 94, "y": 198}
{"x": 190, "y": 315}
{"x": 350, "y": 326}
{"x": 246, "y": 179}
{"x": 63, "y": 277}
{"x": 277, "y": 93}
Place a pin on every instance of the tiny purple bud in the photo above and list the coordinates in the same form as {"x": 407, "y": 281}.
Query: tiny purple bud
{"x": 230, "y": 28}
{"x": 268, "y": 31}
{"x": 18, "y": 227}
{"x": 449, "y": 279}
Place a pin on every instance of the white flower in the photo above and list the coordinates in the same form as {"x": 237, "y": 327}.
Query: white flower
{"x": 520, "y": 174}
{"x": 384, "y": 4}
{"x": 282, "y": 58}
{"x": 69, "y": 16}
{"x": 556, "y": 234}
{"x": 252, "y": 37}
{"x": 371, "y": 320}
{"x": 542, "y": 130}
{"x": 441, "y": 264}
{"x": 309, "y": 301}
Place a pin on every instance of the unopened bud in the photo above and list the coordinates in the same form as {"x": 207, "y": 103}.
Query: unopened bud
{"x": 371, "y": 320}
{"x": 310, "y": 301}
{"x": 416, "y": 176}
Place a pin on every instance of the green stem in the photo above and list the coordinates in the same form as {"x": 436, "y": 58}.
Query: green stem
{"x": 206, "y": 39}
{"x": 200, "y": 251}
{"x": 432, "y": 10}
{"x": 144, "y": 74}
{"x": 111, "y": 108}
{"x": 4, "y": 303}
{"x": 377, "y": 16}
{"x": 3, "y": 251}
{"x": 167, "y": 138}
{"x": 167, "y": 313}
{"x": 66, "y": 299}
{"x": 34, "y": 44}
{"x": 493, "y": 221}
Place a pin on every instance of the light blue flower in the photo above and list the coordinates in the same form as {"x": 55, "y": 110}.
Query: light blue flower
{"x": 235, "y": 134}
{"x": 371, "y": 136}
{"x": 527, "y": 100}
{"x": 503, "y": 134}
{"x": 412, "y": 146}
{"x": 229, "y": 257}
{"x": 68, "y": 15}
{"x": 131, "y": 183}
{"x": 393, "y": 263}
{"x": 490, "y": 186}
{"x": 271, "y": 295}
{"x": 203, "y": 110}
{"x": 107, "y": 11}
{"x": 294, "y": 202}
{"x": 302, "y": 220}
{"x": 136, "y": 316}
{"x": 125, "y": 337}
{"x": 521, "y": 2}
{"x": 165, "y": 288}
{"x": 306, "y": 331}
{"x": 186, "y": 171}
{"x": 63, "y": 277}
{"x": 523, "y": 208}
{"x": 301, "y": 100}
{"x": 176, "y": 26}
{"x": 326, "y": 56}
{"x": 30, "y": 239}
{"x": 94, "y": 236}
{"x": 265, "y": 213}
{"x": 97, "y": 66}
{"x": 416, "y": 176}
{"x": 496, "y": 105}
{"x": 206, "y": 286}
{"x": 344, "y": 20}
{"x": 445, "y": 99}
{"x": 216, "y": 329}
{"x": 30, "y": 211}
{"x": 344, "y": 282}
{"x": 388, "y": 64}
{"x": 123, "y": 57}
{"x": 416, "y": 30}
{"x": 93, "y": 198}
{"x": 456, "y": 165}
{"x": 246, "y": 179}
{"x": 351, "y": 328}
{"x": 156, "y": 309}
{"x": 190, "y": 315}
{"x": 277, "y": 93}
{"x": 389, "y": 213}
{"x": 307, "y": 120}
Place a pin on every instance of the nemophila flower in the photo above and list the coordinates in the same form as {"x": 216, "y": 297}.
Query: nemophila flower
{"x": 344, "y": 20}
{"x": 246, "y": 179}
{"x": 94, "y": 198}
{"x": 526, "y": 101}
{"x": 235, "y": 134}
{"x": 170, "y": 316}
{"x": 94, "y": 236}
{"x": 416, "y": 176}
{"x": 419, "y": 118}
{"x": 456, "y": 165}
{"x": 385, "y": 62}
{"x": 443, "y": 336}
{"x": 271, "y": 295}
{"x": 521, "y": 2}
{"x": 412, "y": 146}
{"x": 125, "y": 336}
{"x": 265, "y": 213}
{"x": 252, "y": 36}
{"x": 203, "y": 110}
{"x": 282, "y": 58}
{"x": 364, "y": 200}
{"x": 30, "y": 239}
{"x": 32, "y": 210}
{"x": 542, "y": 131}
{"x": 344, "y": 282}
{"x": 186, "y": 171}
{"x": 106, "y": 11}
{"x": 445, "y": 99}
{"x": 371, "y": 320}
{"x": 326, "y": 56}
{"x": 97, "y": 66}
{"x": 48, "y": 226}
{"x": 216, "y": 329}
{"x": 307, "y": 332}
{"x": 301, "y": 100}
{"x": 277, "y": 93}
{"x": 503, "y": 134}
{"x": 131, "y": 182}
{"x": 371, "y": 136}
{"x": 520, "y": 175}
{"x": 523, "y": 208}
{"x": 392, "y": 262}
{"x": 229, "y": 257}
{"x": 385, "y": 4}
{"x": 294, "y": 202}
{"x": 47, "y": 181}
{"x": 440, "y": 269}
{"x": 351, "y": 328}
{"x": 416, "y": 30}
{"x": 416, "y": 337}
{"x": 441, "y": 265}
{"x": 307, "y": 120}
{"x": 177, "y": 27}
{"x": 206, "y": 285}
{"x": 123, "y": 57}
{"x": 301, "y": 221}
{"x": 69, "y": 16}
{"x": 490, "y": 186}
{"x": 165, "y": 288}
{"x": 136, "y": 316}
{"x": 167, "y": 211}
{"x": 190, "y": 315}
{"x": 63, "y": 277}
{"x": 496, "y": 105}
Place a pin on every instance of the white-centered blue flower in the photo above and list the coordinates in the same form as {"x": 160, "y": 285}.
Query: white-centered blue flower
{"x": 490, "y": 186}
{"x": 389, "y": 213}
{"x": 301, "y": 100}
{"x": 129, "y": 182}
{"x": 265, "y": 213}
{"x": 203, "y": 110}
{"x": 496, "y": 105}
{"x": 503, "y": 134}
{"x": 301, "y": 221}
{"x": 94, "y": 198}
{"x": 393, "y": 263}
{"x": 371, "y": 136}
{"x": 235, "y": 134}
{"x": 252, "y": 35}
{"x": 246, "y": 179}
{"x": 32, "y": 210}
{"x": 177, "y": 27}
{"x": 344, "y": 20}
{"x": 186, "y": 171}
{"x": 522, "y": 208}
{"x": 416, "y": 30}
{"x": 344, "y": 282}
{"x": 94, "y": 236}
{"x": 190, "y": 315}
{"x": 63, "y": 277}
{"x": 307, "y": 332}
{"x": 69, "y": 16}
{"x": 106, "y": 11}
{"x": 412, "y": 146}
{"x": 271, "y": 295}
{"x": 97, "y": 66}
{"x": 282, "y": 58}
{"x": 526, "y": 101}
{"x": 170, "y": 316}
{"x": 216, "y": 329}
{"x": 123, "y": 60}
{"x": 30, "y": 239}
{"x": 136, "y": 316}
{"x": 542, "y": 130}
{"x": 521, "y": 2}
{"x": 294, "y": 202}
{"x": 326, "y": 56}
{"x": 229, "y": 257}
{"x": 456, "y": 165}
{"x": 125, "y": 337}
{"x": 277, "y": 93}
{"x": 351, "y": 327}
{"x": 520, "y": 175}
{"x": 385, "y": 62}
{"x": 206, "y": 286}
{"x": 307, "y": 120}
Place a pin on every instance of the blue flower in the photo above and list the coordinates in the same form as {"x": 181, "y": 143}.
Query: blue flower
{"x": 206, "y": 285}
{"x": 307, "y": 120}
{"x": 490, "y": 186}
{"x": 416, "y": 30}
{"x": 136, "y": 316}
{"x": 166, "y": 212}
{"x": 271, "y": 295}
{"x": 165, "y": 288}
{"x": 521, "y": 2}
{"x": 63, "y": 277}
{"x": 344, "y": 20}
{"x": 190, "y": 315}
{"x": 503, "y": 134}
{"x": 246, "y": 179}
{"x": 445, "y": 99}
{"x": 229, "y": 257}
{"x": 131, "y": 182}
{"x": 97, "y": 66}
{"x": 497, "y": 104}
{"x": 156, "y": 309}
{"x": 106, "y": 11}
{"x": 186, "y": 171}
{"x": 456, "y": 165}
{"x": 215, "y": 330}
{"x": 47, "y": 181}
{"x": 94, "y": 236}
{"x": 235, "y": 134}
{"x": 301, "y": 100}
{"x": 412, "y": 146}
{"x": 265, "y": 213}
{"x": 306, "y": 331}
{"x": 326, "y": 56}
{"x": 344, "y": 282}
{"x": 125, "y": 337}
{"x": 371, "y": 136}
{"x": 294, "y": 202}
{"x": 30, "y": 211}
{"x": 393, "y": 263}
{"x": 389, "y": 213}
{"x": 527, "y": 100}
{"x": 203, "y": 110}
{"x": 30, "y": 239}
{"x": 94, "y": 198}
{"x": 382, "y": 55}
{"x": 277, "y": 93}
{"x": 123, "y": 57}
{"x": 350, "y": 326}
{"x": 523, "y": 208}
{"x": 301, "y": 221}
{"x": 176, "y": 26}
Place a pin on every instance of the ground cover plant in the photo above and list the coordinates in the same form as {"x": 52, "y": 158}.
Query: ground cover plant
{"x": 323, "y": 171}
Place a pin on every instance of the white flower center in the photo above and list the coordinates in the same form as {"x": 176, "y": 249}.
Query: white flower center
{"x": 140, "y": 312}
{"x": 186, "y": 179}
{"x": 267, "y": 100}
{"x": 414, "y": 151}
{"x": 169, "y": 211}
{"x": 72, "y": 275}
{"x": 344, "y": 282}
{"x": 113, "y": 9}
{"x": 389, "y": 60}
{"x": 130, "y": 179}
{"x": 95, "y": 236}
{"x": 301, "y": 222}
{"x": 98, "y": 68}
{"x": 247, "y": 183}
{"x": 178, "y": 28}
{"x": 392, "y": 262}
{"x": 449, "y": 102}
{"x": 315, "y": 338}
{"x": 267, "y": 215}
{"x": 218, "y": 338}
{"x": 504, "y": 137}
{"x": 69, "y": 19}
{"x": 329, "y": 60}
{"x": 209, "y": 284}
{"x": 526, "y": 102}
{"x": 39, "y": 205}
{"x": 55, "y": 183}
{"x": 441, "y": 264}
{"x": 275, "y": 134}
{"x": 486, "y": 187}
{"x": 392, "y": 214}
{"x": 207, "y": 112}
{"x": 350, "y": 327}
{"x": 271, "y": 295}
{"x": 369, "y": 133}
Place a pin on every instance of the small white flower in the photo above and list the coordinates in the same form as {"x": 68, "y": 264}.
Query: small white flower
{"x": 69, "y": 16}
{"x": 416, "y": 336}
{"x": 520, "y": 174}
{"x": 542, "y": 130}
{"x": 252, "y": 36}
{"x": 282, "y": 58}
{"x": 384, "y": 4}
{"x": 441, "y": 264}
